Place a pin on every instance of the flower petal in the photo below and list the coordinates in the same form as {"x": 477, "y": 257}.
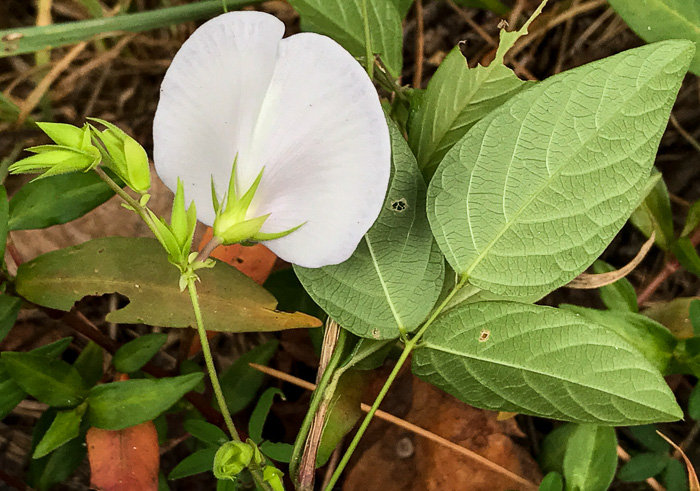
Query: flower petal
{"x": 210, "y": 100}
{"x": 324, "y": 143}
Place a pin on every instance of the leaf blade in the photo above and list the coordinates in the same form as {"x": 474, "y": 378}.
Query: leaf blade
{"x": 531, "y": 352}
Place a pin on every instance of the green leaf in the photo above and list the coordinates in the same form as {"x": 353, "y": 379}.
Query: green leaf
{"x": 200, "y": 461}
{"x": 403, "y": 6}
{"x": 508, "y": 356}
{"x": 658, "y": 20}
{"x": 507, "y": 204}
{"x": 692, "y": 219}
{"x": 4, "y": 223}
{"x": 456, "y": 98}
{"x": 552, "y": 482}
{"x": 342, "y": 20}
{"x": 29, "y": 39}
{"x": 89, "y": 363}
{"x": 53, "y": 382}
{"x": 643, "y": 466}
{"x": 59, "y": 464}
{"x": 694, "y": 315}
{"x": 259, "y": 415}
{"x": 279, "y": 452}
{"x": 139, "y": 269}
{"x": 64, "y": 428}
{"x": 55, "y": 349}
{"x": 56, "y": 200}
{"x": 651, "y": 339}
{"x": 240, "y": 382}
{"x": 119, "y": 405}
{"x": 590, "y": 460}
{"x": 11, "y": 394}
{"x": 395, "y": 275}
{"x": 687, "y": 255}
{"x": 654, "y": 214}
{"x": 649, "y": 438}
{"x": 66, "y": 135}
{"x": 619, "y": 295}
{"x": 9, "y": 309}
{"x": 206, "y": 432}
{"x": 675, "y": 477}
{"x": 135, "y": 354}
{"x": 694, "y": 403}
{"x": 551, "y": 458}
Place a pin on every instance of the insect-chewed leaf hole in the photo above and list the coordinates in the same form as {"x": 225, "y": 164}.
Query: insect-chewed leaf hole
{"x": 484, "y": 335}
{"x": 399, "y": 205}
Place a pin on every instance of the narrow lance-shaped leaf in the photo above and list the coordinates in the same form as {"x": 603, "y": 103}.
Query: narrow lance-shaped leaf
{"x": 508, "y": 356}
{"x": 393, "y": 279}
{"x": 457, "y": 97}
{"x": 537, "y": 189}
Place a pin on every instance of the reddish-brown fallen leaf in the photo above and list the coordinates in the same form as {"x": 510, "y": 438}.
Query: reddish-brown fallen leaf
{"x": 124, "y": 460}
{"x": 255, "y": 261}
{"x": 393, "y": 458}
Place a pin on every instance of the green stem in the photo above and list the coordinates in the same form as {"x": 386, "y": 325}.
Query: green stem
{"x": 368, "y": 42}
{"x": 140, "y": 210}
{"x": 214, "y": 379}
{"x": 408, "y": 348}
{"x": 209, "y": 361}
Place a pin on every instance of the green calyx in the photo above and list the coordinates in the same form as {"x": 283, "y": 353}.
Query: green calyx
{"x": 176, "y": 238}
{"x": 124, "y": 156}
{"x": 232, "y": 458}
{"x": 73, "y": 151}
{"x": 231, "y": 225}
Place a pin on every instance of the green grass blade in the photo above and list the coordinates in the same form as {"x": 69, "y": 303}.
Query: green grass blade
{"x": 31, "y": 39}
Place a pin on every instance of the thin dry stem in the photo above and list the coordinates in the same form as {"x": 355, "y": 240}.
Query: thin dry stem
{"x": 527, "y": 485}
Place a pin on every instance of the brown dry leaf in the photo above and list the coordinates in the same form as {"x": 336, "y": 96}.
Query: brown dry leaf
{"x": 394, "y": 458}
{"x": 124, "y": 460}
{"x": 674, "y": 315}
{"x": 693, "y": 483}
{"x": 586, "y": 281}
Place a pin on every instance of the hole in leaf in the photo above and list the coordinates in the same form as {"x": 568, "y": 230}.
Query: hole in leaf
{"x": 399, "y": 205}
{"x": 484, "y": 335}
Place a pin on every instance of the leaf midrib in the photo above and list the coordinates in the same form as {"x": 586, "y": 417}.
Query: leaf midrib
{"x": 442, "y": 349}
{"x": 549, "y": 180}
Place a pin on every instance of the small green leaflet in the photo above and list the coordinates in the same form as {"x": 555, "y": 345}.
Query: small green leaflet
{"x": 342, "y": 20}
{"x": 457, "y": 97}
{"x": 393, "y": 279}
{"x": 535, "y": 191}
{"x": 509, "y": 356}
{"x": 658, "y": 20}
{"x": 590, "y": 459}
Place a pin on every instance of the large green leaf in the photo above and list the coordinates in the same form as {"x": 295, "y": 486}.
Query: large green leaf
{"x": 393, "y": 279}
{"x": 139, "y": 269}
{"x": 64, "y": 428}
{"x": 535, "y": 191}
{"x": 55, "y": 200}
{"x": 53, "y": 382}
{"x": 456, "y": 98}
{"x": 122, "y": 404}
{"x": 658, "y": 20}
{"x": 342, "y": 20}
{"x": 510, "y": 356}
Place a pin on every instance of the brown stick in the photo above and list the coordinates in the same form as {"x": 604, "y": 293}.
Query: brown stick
{"x": 420, "y": 42}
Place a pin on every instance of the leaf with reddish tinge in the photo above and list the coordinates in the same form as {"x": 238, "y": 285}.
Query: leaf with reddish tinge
{"x": 124, "y": 460}
{"x": 139, "y": 269}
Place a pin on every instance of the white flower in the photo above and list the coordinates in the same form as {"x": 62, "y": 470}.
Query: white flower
{"x": 300, "y": 109}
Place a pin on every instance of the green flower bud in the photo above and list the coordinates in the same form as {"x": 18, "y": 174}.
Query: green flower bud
{"x": 231, "y": 459}
{"x": 273, "y": 476}
{"x": 124, "y": 156}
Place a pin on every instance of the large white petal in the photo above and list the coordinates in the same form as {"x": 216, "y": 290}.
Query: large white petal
{"x": 324, "y": 143}
{"x": 209, "y": 102}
